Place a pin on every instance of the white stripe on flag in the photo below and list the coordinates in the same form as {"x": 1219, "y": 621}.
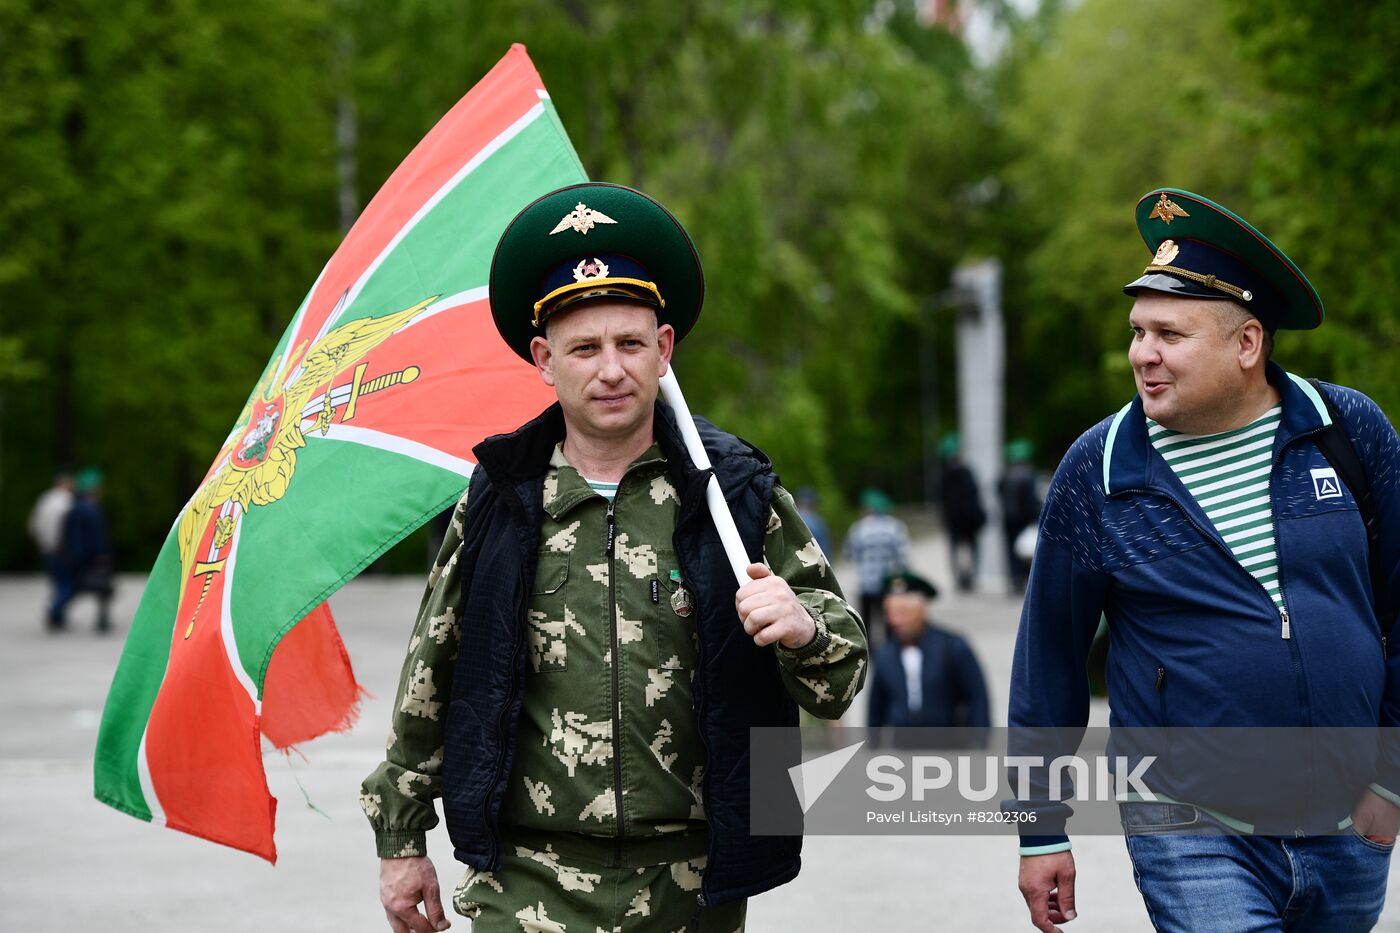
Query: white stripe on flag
{"x": 143, "y": 774}
{"x": 301, "y": 312}
{"x": 399, "y": 445}
{"x": 226, "y": 623}
{"x": 470, "y": 296}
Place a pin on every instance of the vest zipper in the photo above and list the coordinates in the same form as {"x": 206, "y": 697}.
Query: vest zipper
{"x": 614, "y": 648}
{"x": 1287, "y": 631}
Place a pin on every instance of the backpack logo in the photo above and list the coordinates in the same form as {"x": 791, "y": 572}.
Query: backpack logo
{"x": 1326, "y": 485}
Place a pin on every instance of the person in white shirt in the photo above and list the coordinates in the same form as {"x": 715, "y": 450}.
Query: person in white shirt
{"x": 46, "y": 528}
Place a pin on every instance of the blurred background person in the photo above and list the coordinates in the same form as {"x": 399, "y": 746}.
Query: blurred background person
{"x": 963, "y": 513}
{"x": 808, "y": 506}
{"x": 923, "y": 676}
{"x": 86, "y": 553}
{"x": 878, "y": 544}
{"x": 1018, "y": 491}
{"x": 46, "y": 528}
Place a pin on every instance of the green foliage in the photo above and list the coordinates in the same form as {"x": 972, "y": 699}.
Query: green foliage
{"x": 1281, "y": 111}
{"x": 1099, "y": 114}
{"x": 179, "y": 169}
{"x": 1327, "y": 180}
{"x": 168, "y": 170}
{"x": 173, "y": 190}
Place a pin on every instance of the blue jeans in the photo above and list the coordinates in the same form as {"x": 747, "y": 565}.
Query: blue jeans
{"x": 1195, "y": 874}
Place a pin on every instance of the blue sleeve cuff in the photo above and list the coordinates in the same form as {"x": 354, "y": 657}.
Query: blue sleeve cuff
{"x": 1044, "y": 845}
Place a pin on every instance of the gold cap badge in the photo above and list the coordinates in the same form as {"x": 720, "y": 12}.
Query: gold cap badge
{"x": 1166, "y": 253}
{"x": 1165, "y": 210}
{"x": 590, "y": 269}
{"x": 581, "y": 219}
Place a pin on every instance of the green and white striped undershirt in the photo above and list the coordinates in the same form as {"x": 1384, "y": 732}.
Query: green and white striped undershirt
{"x": 1228, "y": 475}
{"x": 606, "y": 490}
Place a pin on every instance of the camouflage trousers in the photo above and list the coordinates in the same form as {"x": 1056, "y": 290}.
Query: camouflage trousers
{"x": 562, "y": 886}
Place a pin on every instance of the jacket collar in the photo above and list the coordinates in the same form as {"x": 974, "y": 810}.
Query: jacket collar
{"x": 524, "y": 455}
{"x": 525, "y": 452}
{"x": 565, "y": 487}
{"x": 1127, "y": 452}
{"x": 529, "y": 452}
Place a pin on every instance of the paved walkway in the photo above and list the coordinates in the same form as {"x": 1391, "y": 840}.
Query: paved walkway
{"x": 68, "y": 862}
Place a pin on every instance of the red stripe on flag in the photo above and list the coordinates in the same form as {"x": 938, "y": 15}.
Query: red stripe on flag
{"x": 310, "y": 687}
{"x": 468, "y": 386}
{"x": 505, "y": 95}
{"x": 203, "y": 750}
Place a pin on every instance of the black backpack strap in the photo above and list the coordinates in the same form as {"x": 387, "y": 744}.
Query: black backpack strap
{"x": 1337, "y": 447}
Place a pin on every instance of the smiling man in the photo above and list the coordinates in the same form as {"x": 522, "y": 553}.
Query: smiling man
{"x": 584, "y": 671}
{"x": 1219, "y": 521}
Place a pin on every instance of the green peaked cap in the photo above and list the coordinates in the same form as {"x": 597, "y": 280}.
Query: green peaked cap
{"x": 576, "y": 224}
{"x": 1215, "y": 253}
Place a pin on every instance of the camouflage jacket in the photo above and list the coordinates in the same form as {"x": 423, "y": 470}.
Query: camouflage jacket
{"x": 565, "y": 778}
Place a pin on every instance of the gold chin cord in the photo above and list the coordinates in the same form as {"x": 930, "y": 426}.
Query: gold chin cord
{"x": 1209, "y": 281}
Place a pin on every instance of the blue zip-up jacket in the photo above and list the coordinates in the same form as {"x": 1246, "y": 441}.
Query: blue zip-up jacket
{"x": 1195, "y": 639}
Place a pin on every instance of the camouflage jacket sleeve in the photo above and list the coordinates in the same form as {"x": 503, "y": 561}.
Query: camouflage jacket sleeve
{"x": 824, "y": 675}
{"x": 398, "y": 795}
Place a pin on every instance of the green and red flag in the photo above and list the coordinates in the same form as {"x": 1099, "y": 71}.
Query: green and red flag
{"x": 359, "y": 430}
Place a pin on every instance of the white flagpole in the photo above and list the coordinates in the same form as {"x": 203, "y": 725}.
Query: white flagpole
{"x": 719, "y": 509}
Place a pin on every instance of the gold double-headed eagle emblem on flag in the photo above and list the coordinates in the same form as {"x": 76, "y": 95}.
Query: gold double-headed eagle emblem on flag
{"x": 256, "y": 464}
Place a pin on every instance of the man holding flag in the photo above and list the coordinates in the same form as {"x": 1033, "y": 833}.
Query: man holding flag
{"x": 576, "y": 689}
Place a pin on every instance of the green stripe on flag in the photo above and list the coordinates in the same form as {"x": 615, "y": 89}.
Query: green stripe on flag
{"x": 469, "y": 221}
{"x": 135, "y": 685}
{"x": 347, "y": 504}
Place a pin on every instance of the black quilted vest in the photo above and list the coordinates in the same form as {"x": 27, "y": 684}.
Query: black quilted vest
{"x": 736, "y": 684}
